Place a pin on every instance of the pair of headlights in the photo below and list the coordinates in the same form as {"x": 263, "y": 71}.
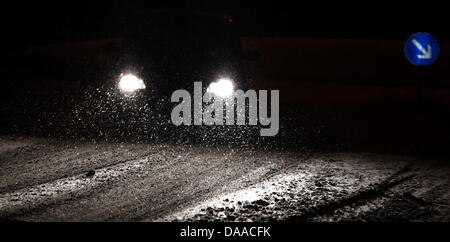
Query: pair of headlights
{"x": 129, "y": 84}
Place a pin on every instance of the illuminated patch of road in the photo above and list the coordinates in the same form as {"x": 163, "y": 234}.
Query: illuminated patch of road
{"x": 294, "y": 192}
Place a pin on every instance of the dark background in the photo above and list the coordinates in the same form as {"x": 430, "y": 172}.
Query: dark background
{"x": 342, "y": 62}
{"x": 24, "y": 22}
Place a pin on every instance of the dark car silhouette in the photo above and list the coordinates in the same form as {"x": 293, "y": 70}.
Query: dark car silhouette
{"x": 166, "y": 51}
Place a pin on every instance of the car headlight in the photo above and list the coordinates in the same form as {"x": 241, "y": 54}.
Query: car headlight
{"x": 223, "y": 87}
{"x": 130, "y": 83}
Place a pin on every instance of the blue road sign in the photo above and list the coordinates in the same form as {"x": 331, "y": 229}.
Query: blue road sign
{"x": 421, "y": 49}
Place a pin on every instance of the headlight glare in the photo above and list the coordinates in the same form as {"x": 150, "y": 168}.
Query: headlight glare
{"x": 130, "y": 83}
{"x": 223, "y": 87}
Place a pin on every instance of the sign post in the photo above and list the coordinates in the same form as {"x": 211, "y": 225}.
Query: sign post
{"x": 421, "y": 49}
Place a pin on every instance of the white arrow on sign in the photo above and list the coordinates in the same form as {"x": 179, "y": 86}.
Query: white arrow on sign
{"x": 426, "y": 54}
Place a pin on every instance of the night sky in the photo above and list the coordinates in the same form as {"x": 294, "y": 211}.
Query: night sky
{"x": 51, "y": 21}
